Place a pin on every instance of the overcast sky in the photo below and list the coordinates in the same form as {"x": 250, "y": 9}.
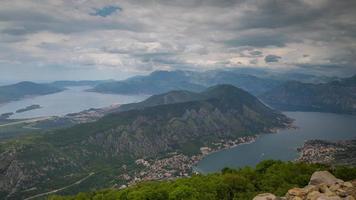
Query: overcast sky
{"x": 91, "y": 39}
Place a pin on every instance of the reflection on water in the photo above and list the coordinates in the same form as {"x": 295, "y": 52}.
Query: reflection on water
{"x": 74, "y": 99}
{"x": 283, "y": 145}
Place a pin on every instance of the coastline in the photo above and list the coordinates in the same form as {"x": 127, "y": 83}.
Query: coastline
{"x": 177, "y": 165}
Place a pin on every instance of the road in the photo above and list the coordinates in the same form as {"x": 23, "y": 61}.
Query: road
{"x": 25, "y": 121}
{"x": 60, "y": 189}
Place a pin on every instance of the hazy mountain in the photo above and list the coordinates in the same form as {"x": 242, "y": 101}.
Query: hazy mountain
{"x": 78, "y": 83}
{"x": 346, "y": 82}
{"x": 155, "y": 83}
{"x": 177, "y": 96}
{"x": 44, "y": 162}
{"x": 337, "y": 96}
{"x": 283, "y": 75}
{"x": 253, "y": 84}
{"x": 23, "y": 89}
{"x": 163, "y": 81}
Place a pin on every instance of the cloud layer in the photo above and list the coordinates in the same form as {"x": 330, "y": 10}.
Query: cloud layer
{"x": 139, "y": 36}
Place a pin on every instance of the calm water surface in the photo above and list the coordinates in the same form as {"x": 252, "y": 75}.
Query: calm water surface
{"x": 283, "y": 145}
{"x": 74, "y": 99}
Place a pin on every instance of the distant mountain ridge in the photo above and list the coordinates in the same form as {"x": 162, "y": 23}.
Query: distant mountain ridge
{"x": 46, "y": 161}
{"x": 255, "y": 81}
{"x": 181, "y": 96}
{"x": 157, "y": 82}
{"x": 163, "y": 81}
{"x": 22, "y": 89}
{"x": 63, "y": 84}
{"x": 336, "y": 96}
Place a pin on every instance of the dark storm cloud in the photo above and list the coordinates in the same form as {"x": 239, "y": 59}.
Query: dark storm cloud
{"x": 33, "y": 21}
{"x": 191, "y": 3}
{"x": 106, "y": 11}
{"x": 272, "y": 58}
{"x": 256, "y": 53}
{"x": 160, "y": 58}
{"x": 280, "y": 13}
{"x": 144, "y": 35}
{"x": 259, "y": 38}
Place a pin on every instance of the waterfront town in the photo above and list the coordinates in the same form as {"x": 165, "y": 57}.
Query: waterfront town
{"x": 177, "y": 165}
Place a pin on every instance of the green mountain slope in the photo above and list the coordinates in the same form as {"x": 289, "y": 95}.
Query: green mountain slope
{"x": 23, "y": 89}
{"x": 178, "y": 96}
{"x": 337, "y": 96}
{"x": 243, "y": 184}
{"x": 55, "y": 159}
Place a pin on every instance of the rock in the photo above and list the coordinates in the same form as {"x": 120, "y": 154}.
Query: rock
{"x": 335, "y": 187}
{"x": 296, "y": 192}
{"x": 349, "y": 198}
{"x": 320, "y": 177}
{"x": 310, "y": 188}
{"x": 329, "y": 198}
{"x": 265, "y": 196}
{"x": 296, "y": 198}
{"x": 347, "y": 184}
{"x": 323, "y": 188}
{"x": 313, "y": 195}
{"x": 341, "y": 193}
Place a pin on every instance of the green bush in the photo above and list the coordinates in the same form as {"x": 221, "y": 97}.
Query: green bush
{"x": 231, "y": 184}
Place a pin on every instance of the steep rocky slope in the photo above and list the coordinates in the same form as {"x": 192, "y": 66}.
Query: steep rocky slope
{"x": 336, "y": 96}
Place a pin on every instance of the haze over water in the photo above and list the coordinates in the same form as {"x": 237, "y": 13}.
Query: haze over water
{"x": 74, "y": 99}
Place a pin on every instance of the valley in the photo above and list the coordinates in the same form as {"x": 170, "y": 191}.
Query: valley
{"x": 177, "y": 100}
{"x": 222, "y": 113}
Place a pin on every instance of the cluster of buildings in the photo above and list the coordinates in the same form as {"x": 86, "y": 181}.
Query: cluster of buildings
{"x": 226, "y": 144}
{"x": 174, "y": 166}
{"x": 315, "y": 151}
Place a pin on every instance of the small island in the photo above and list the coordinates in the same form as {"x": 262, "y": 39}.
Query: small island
{"x": 28, "y": 108}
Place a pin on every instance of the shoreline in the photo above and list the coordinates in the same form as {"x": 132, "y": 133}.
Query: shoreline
{"x": 177, "y": 165}
{"x": 290, "y": 125}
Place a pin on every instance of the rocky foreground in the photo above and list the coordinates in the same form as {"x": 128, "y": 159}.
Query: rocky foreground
{"x": 322, "y": 186}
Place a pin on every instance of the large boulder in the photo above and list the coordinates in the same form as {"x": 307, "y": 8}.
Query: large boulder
{"x": 322, "y": 186}
{"x": 323, "y": 177}
{"x": 265, "y": 196}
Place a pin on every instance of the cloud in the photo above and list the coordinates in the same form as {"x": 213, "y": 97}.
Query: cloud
{"x": 106, "y": 11}
{"x": 139, "y": 36}
{"x": 272, "y": 58}
{"x": 256, "y": 53}
{"x": 259, "y": 38}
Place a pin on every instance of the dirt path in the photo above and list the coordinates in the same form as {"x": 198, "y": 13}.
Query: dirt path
{"x": 25, "y": 121}
{"x": 60, "y": 189}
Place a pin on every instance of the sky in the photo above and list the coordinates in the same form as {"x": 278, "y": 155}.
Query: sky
{"x": 107, "y": 39}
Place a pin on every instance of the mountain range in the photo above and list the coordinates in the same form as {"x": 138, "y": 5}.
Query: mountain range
{"x": 163, "y": 81}
{"x": 255, "y": 81}
{"x": 178, "y": 121}
{"x": 23, "y": 89}
{"x": 335, "y": 96}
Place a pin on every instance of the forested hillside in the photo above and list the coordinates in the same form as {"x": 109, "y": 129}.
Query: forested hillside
{"x": 231, "y": 184}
